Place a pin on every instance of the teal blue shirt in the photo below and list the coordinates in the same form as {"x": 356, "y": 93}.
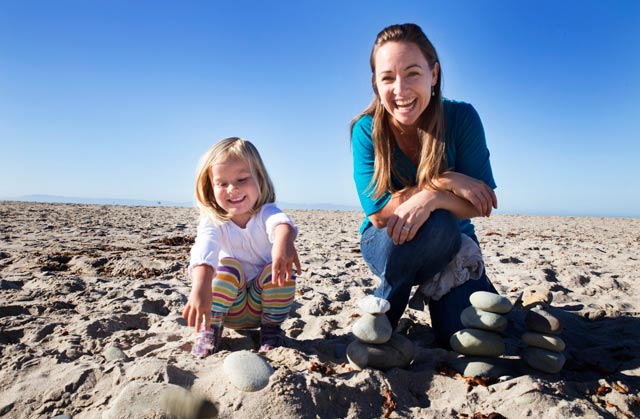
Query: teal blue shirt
{"x": 466, "y": 149}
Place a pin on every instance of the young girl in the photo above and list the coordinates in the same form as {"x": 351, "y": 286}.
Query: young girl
{"x": 242, "y": 260}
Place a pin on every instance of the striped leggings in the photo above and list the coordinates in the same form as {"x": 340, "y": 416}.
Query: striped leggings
{"x": 238, "y": 305}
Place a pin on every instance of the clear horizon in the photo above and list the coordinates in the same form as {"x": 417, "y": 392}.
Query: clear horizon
{"x": 282, "y": 204}
{"x": 118, "y": 100}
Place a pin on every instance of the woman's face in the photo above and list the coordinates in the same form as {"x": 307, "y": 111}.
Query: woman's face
{"x": 404, "y": 80}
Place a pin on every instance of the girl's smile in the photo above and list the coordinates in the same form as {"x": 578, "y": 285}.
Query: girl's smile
{"x": 235, "y": 189}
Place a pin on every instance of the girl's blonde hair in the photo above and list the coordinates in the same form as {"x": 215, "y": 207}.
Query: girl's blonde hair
{"x": 232, "y": 147}
{"x": 431, "y": 124}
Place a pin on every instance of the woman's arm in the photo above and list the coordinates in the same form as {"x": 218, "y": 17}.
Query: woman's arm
{"x": 481, "y": 196}
{"x": 409, "y": 209}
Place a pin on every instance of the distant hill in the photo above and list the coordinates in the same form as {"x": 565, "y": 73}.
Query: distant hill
{"x": 146, "y": 203}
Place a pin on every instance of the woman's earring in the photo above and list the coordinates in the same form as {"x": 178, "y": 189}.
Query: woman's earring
{"x": 433, "y": 91}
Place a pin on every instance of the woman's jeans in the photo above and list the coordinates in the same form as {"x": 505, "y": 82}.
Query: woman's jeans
{"x": 400, "y": 267}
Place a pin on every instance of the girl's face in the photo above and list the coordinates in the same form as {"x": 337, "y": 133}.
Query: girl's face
{"x": 404, "y": 80}
{"x": 235, "y": 189}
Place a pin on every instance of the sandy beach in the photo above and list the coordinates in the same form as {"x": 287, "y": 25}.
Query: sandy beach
{"x": 90, "y": 326}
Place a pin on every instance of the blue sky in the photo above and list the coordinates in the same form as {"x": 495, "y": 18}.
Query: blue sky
{"x": 118, "y": 99}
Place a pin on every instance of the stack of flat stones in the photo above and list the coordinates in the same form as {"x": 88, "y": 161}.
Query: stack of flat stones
{"x": 483, "y": 320}
{"x": 376, "y": 345}
{"x": 543, "y": 350}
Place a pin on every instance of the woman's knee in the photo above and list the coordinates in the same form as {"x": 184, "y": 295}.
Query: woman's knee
{"x": 443, "y": 227}
{"x": 438, "y": 238}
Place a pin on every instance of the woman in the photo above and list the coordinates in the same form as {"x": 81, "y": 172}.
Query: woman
{"x": 421, "y": 168}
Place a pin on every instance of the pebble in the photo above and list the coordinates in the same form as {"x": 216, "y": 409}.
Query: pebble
{"x": 539, "y": 340}
{"x": 535, "y": 295}
{"x": 61, "y": 417}
{"x": 475, "y": 367}
{"x": 113, "y": 353}
{"x": 479, "y": 319}
{"x": 358, "y": 355}
{"x": 373, "y": 328}
{"x": 247, "y": 370}
{"x": 374, "y": 305}
{"x": 477, "y": 342}
{"x": 543, "y": 360}
{"x": 538, "y": 320}
{"x": 491, "y": 302}
{"x": 398, "y": 352}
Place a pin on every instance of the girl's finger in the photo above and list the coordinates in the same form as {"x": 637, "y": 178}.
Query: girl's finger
{"x": 296, "y": 260}
{"x": 289, "y": 271}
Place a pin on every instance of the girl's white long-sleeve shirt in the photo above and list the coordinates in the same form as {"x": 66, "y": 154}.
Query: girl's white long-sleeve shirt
{"x": 251, "y": 245}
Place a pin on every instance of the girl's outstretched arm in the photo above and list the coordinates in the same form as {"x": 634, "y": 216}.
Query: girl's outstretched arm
{"x": 284, "y": 255}
{"x": 198, "y": 309}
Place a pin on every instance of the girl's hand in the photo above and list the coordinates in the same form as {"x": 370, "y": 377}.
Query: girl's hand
{"x": 481, "y": 196}
{"x": 198, "y": 309}
{"x": 409, "y": 216}
{"x": 284, "y": 255}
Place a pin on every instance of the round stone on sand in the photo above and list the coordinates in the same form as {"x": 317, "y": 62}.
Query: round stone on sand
{"x": 539, "y": 340}
{"x": 535, "y": 295}
{"x": 538, "y": 320}
{"x": 398, "y": 352}
{"x": 491, "y": 302}
{"x": 543, "y": 360}
{"x": 482, "y": 367}
{"x": 358, "y": 355}
{"x": 374, "y": 305}
{"x": 477, "y": 342}
{"x": 113, "y": 353}
{"x": 479, "y": 319}
{"x": 247, "y": 370}
{"x": 372, "y": 328}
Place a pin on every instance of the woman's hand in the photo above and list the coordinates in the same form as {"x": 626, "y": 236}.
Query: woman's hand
{"x": 284, "y": 255}
{"x": 409, "y": 216}
{"x": 198, "y": 309}
{"x": 481, "y": 196}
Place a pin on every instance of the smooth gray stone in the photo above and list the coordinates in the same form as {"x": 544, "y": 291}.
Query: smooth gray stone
{"x": 61, "y": 417}
{"x": 491, "y": 302}
{"x": 398, "y": 352}
{"x": 543, "y": 360}
{"x": 112, "y": 353}
{"x": 539, "y": 340}
{"x": 476, "y": 318}
{"x": 374, "y": 305}
{"x": 183, "y": 404}
{"x": 358, "y": 355}
{"x": 247, "y": 370}
{"x": 372, "y": 328}
{"x": 541, "y": 321}
{"x": 477, "y": 342}
{"x": 483, "y": 367}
